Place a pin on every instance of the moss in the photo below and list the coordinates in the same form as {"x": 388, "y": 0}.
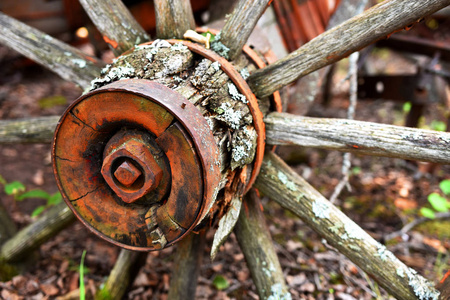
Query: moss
{"x": 7, "y": 271}
{"x": 438, "y": 228}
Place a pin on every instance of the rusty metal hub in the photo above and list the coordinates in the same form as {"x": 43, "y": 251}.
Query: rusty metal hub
{"x": 137, "y": 163}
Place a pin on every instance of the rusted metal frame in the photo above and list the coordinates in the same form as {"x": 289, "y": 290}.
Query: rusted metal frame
{"x": 285, "y": 29}
{"x": 242, "y": 86}
{"x": 195, "y": 125}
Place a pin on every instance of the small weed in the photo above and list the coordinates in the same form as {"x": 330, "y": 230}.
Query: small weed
{"x": 19, "y": 192}
{"x": 81, "y": 271}
{"x": 438, "y": 202}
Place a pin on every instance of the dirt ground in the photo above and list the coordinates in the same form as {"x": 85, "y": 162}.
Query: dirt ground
{"x": 386, "y": 194}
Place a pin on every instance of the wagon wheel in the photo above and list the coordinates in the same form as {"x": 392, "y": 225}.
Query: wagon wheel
{"x": 134, "y": 136}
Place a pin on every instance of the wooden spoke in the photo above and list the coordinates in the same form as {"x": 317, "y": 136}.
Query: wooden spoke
{"x": 283, "y": 185}
{"x": 118, "y": 27}
{"x": 309, "y": 85}
{"x": 33, "y": 130}
{"x": 122, "y": 275}
{"x": 256, "y": 243}
{"x": 340, "y": 41}
{"x": 69, "y": 63}
{"x": 35, "y": 234}
{"x": 240, "y": 25}
{"x": 173, "y": 18}
{"x": 359, "y": 137}
{"x": 186, "y": 267}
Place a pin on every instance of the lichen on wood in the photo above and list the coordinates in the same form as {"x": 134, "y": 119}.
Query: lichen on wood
{"x": 119, "y": 28}
{"x": 341, "y": 232}
{"x": 254, "y": 239}
{"x": 69, "y": 63}
{"x": 32, "y": 130}
{"x": 358, "y": 137}
{"x": 204, "y": 84}
{"x": 236, "y": 31}
{"x": 340, "y": 41}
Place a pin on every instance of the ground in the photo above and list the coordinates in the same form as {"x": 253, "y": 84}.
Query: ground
{"x": 386, "y": 194}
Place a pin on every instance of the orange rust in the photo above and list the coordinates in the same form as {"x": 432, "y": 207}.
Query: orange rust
{"x": 154, "y": 221}
{"x": 113, "y": 43}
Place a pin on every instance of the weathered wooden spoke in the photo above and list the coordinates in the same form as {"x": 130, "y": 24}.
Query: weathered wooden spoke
{"x": 120, "y": 30}
{"x": 69, "y": 63}
{"x": 31, "y": 130}
{"x": 236, "y": 31}
{"x": 340, "y": 41}
{"x": 38, "y": 232}
{"x": 280, "y": 183}
{"x": 358, "y": 137}
{"x": 187, "y": 262}
{"x": 254, "y": 239}
{"x": 122, "y": 275}
{"x": 170, "y": 104}
{"x": 173, "y": 18}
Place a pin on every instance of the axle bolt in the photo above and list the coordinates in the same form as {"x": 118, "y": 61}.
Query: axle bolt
{"x": 127, "y": 173}
{"x": 129, "y": 167}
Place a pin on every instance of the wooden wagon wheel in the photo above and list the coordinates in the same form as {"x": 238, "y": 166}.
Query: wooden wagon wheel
{"x": 123, "y": 151}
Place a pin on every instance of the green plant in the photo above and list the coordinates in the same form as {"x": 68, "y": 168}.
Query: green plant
{"x": 220, "y": 282}
{"x": 81, "y": 271}
{"x": 438, "y": 202}
{"x": 19, "y": 192}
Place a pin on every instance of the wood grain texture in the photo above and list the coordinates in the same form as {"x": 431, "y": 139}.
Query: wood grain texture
{"x": 118, "y": 27}
{"x": 308, "y": 86}
{"x": 32, "y": 236}
{"x": 283, "y": 185}
{"x": 358, "y": 137}
{"x": 186, "y": 268}
{"x": 68, "y": 62}
{"x": 33, "y": 130}
{"x": 340, "y": 41}
{"x": 173, "y": 18}
{"x": 256, "y": 243}
{"x": 240, "y": 25}
{"x": 122, "y": 275}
